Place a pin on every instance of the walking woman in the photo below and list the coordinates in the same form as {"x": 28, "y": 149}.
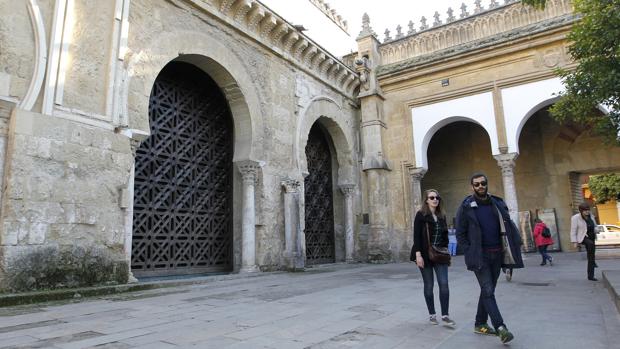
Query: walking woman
{"x": 542, "y": 238}
{"x": 431, "y": 219}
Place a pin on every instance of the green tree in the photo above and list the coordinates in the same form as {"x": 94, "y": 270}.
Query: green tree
{"x": 605, "y": 187}
{"x": 595, "y": 46}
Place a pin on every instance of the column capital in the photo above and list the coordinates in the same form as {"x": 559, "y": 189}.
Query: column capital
{"x": 347, "y": 189}
{"x": 506, "y": 161}
{"x": 417, "y": 173}
{"x": 249, "y": 170}
{"x": 290, "y": 185}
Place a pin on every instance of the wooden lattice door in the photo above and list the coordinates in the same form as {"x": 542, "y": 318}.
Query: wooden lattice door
{"x": 319, "y": 207}
{"x": 182, "y": 220}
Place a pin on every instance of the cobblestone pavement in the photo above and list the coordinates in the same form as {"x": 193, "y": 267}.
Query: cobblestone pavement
{"x": 339, "y": 306}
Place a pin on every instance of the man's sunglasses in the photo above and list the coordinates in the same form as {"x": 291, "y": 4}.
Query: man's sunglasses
{"x": 434, "y": 198}
{"x": 477, "y": 184}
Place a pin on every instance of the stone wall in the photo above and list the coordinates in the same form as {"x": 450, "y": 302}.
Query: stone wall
{"x": 64, "y": 185}
{"x": 66, "y": 201}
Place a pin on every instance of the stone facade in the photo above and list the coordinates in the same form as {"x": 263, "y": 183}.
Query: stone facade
{"x": 423, "y": 110}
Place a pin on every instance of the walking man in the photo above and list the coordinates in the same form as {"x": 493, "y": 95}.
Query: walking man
{"x": 490, "y": 241}
{"x": 582, "y": 232}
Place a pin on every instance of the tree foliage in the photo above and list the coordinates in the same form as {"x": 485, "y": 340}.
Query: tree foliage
{"x": 605, "y": 187}
{"x": 595, "y": 46}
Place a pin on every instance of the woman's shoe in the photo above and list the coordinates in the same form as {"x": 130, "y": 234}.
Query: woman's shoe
{"x": 551, "y": 261}
{"x": 433, "y": 320}
{"x": 447, "y": 322}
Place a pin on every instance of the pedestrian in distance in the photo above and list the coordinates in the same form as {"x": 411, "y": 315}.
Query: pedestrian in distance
{"x": 542, "y": 239}
{"x": 490, "y": 241}
{"x": 582, "y": 232}
{"x": 452, "y": 240}
{"x": 431, "y": 231}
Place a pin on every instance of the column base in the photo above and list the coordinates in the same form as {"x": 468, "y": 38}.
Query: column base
{"x": 131, "y": 279}
{"x": 249, "y": 269}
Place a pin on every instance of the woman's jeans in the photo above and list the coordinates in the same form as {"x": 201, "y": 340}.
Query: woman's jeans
{"x": 487, "y": 279}
{"x": 441, "y": 270}
{"x": 543, "y": 252}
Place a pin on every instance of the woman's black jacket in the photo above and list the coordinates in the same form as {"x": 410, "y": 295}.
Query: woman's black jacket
{"x": 420, "y": 241}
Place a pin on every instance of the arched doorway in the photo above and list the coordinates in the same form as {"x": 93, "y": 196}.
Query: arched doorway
{"x": 455, "y": 152}
{"x": 319, "y": 202}
{"x": 182, "y": 221}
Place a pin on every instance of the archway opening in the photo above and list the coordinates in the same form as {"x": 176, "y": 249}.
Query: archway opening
{"x": 183, "y": 191}
{"x": 554, "y": 163}
{"x": 455, "y": 152}
{"x": 319, "y": 199}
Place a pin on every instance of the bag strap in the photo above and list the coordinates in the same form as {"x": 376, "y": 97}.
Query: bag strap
{"x": 428, "y": 236}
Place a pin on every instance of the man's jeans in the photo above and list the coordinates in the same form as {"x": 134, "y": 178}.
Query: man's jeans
{"x": 487, "y": 278}
{"x": 441, "y": 270}
{"x": 591, "y": 250}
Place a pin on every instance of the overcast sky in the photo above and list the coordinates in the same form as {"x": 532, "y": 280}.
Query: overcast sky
{"x": 383, "y": 14}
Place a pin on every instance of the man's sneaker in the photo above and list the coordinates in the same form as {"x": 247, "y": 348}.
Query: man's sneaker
{"x": 508, "y": 274}
{"x": 504, "y": 335}
{"x": 433, "y": 320}
{"x": 485, "y": 329}
{"x": 447, "y": 322}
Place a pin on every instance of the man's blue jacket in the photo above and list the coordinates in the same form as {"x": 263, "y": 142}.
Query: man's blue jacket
{"x": 469, "y": 235}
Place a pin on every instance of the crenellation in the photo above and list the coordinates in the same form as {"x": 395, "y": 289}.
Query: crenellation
{"x": 484, "y": 23}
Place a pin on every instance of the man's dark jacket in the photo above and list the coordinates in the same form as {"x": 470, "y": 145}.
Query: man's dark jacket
{"x": 469, "y": 235}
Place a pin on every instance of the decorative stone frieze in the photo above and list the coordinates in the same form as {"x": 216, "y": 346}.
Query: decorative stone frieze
{"x": 485, "y": 23}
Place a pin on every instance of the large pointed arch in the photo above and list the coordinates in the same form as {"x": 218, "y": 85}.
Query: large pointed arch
{"x": 219, "y": 62}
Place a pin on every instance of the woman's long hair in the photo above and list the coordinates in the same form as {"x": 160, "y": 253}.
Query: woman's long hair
{"x": 427, "y": 210}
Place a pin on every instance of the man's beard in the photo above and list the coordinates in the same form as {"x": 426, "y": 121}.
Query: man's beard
{"x": 482, "y": 195}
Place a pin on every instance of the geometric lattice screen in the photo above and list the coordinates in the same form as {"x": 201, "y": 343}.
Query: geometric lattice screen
{"x": 318, "y": 195}
{"x": 182, "y": 220}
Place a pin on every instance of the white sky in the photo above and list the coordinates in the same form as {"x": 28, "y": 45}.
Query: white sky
{"x": 383, "y": 14}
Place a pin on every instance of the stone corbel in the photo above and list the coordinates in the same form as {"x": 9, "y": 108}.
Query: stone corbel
{"x": 278, "y": 32}
{"x": 267, "y": 24}
{"x": 308, "y": 54}
{"x": 299, "y": 47}
{"x": 376, "y": 161}
{"x": 289, "y": 41}
{"x": 256, "y": 14}
{"x": 241, "y": 9}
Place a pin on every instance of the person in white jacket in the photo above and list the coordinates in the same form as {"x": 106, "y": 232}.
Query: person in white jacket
{"x": 582, "y": 231}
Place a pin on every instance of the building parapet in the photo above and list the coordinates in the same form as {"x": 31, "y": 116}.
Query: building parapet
{"x": 471, "y": 46}
{"x": 484, "y": 23}
{"x": 268, "y": 28}
{"x": 331, "y": 13}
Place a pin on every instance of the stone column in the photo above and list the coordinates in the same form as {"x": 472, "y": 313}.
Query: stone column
{"x": 416, "y": 174}
{"x": 248, "y": 170}
{"x": 291, "y": 224}
{"x": 348, "y": 190}
{"x": 507, "y": 163}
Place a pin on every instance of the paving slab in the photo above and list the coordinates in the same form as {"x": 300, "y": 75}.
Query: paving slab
{"x": 337, "y": 306}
